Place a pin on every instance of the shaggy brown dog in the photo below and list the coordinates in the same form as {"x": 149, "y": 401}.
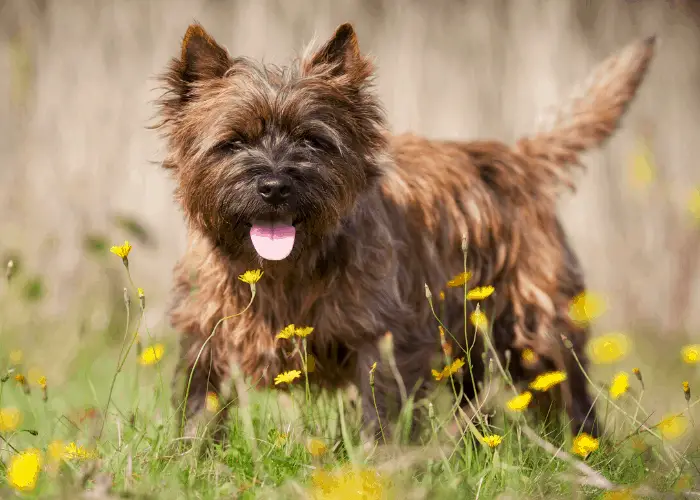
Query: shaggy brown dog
{"x": 293, "y": 171}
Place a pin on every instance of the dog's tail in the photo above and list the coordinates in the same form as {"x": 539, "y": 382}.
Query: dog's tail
{"x": 590, "y": 115}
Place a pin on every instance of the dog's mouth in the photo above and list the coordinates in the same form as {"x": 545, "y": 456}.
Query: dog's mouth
{"x": 273, "y": 238}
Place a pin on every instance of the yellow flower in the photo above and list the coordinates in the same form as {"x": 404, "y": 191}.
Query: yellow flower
{"x": 212, "y": 402}
{"x": 251, "y": 277}
{"x": 584, "y": 444}
{"x": 642, "y": 166}
{"x": 623, "y": 494}
{"x": 121, "y": 250}
{"x": 459, "y": 280}
{"x": 479, "y": 320}
{"x": 480, "y": 293}
{"x": 442, "y": 295}
{"x": 286, "y": 332}
{"x": 691, "y": 354}
{"x": 529, "y": 357}
{"x": 281, "y": 438}
{"x": 520, "y": 402}
{"x": 24, "y": 468}
{"x": 42, "y": 382}
{"x": 287, "y": 377}
{"x": 673, "y": 426}
{"x": 546, "y": 381}
{"x": 152, "y": 354}
{"x": 10, "y": 418}
{"x": 316, "y": 447}
{"x": 493, "y": 440}
{"x": 585, "y": 307}
{"x": 608, "y": 348}
{"x": 620, "y": 385}
{"x": 686, "y": 390}
{"x": 348, "y": 482}
{"x": 303, "y": 331}
{"x": 694, "y": 203}
{"x": 140, "y": 292}
{"x": 74, "y": 452}
{"x": 34, "y": 375}
{"x": 451, "y": 369}
{"x": 16, "y": 357}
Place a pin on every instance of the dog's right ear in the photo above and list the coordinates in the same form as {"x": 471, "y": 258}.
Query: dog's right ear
{"x": 202, "y": 58}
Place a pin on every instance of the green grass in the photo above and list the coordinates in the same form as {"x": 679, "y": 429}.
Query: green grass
{"x": 139, "y": 456}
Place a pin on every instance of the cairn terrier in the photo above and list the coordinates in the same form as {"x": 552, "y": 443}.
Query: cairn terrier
{"x": 293, "y": 171}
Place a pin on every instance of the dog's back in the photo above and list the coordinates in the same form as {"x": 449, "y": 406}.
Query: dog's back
{"x": 502, "y": 201}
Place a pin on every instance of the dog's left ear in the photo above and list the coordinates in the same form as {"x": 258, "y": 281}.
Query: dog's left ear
{"x": 342, "y": 54}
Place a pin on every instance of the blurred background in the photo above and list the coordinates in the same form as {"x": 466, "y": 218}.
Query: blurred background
{"x": 79, "y": 169}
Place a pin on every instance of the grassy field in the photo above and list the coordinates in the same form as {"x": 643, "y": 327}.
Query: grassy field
{"x": 56, "y": 443}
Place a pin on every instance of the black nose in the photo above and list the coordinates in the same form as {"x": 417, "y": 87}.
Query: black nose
{"x": 274, "y": 190}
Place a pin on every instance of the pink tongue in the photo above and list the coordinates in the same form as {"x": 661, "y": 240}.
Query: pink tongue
{"x": 273, "y": 241}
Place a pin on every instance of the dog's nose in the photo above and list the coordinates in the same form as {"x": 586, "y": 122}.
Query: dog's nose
{"x": 274, "y": 190}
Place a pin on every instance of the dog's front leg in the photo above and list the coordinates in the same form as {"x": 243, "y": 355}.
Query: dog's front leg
{"x": 199, "y": 375}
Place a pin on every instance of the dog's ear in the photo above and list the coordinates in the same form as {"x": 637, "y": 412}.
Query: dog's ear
{"x": 202, "y": 58}
{"x": 341, "y": 54}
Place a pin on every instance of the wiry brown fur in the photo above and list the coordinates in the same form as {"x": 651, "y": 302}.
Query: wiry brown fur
{"x": 379, "y": 217}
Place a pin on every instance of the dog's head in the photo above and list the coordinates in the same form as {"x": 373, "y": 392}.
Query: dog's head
{"x": 269, "y": 159}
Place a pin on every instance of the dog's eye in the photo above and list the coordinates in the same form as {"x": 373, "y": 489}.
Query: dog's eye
{"x": 319, "y": 143}
{"x": 230, "y": 145}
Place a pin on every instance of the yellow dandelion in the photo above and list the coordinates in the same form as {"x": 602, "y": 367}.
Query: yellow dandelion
{"x": 23, "y": 470}
{"x": 20, "y": 379}
{"x": 546, "y": 381}
{"x": 479, "y": 319}
{"x": 620, "y": 385}
{"x": 10, "y": 418}
{"x": 529, "y": 357}
{"x": 316, "y": 447}
{"x": 456, "y": 365}
{"x": 281, "y": 438}
{"x": 212, "y": 402}
{"x": 152, "y": 354}
{"x": 623, "y": 494}
{"x": 691, "y": 354}
{"x": 480, "y": 293}
{"x": 520, "y": 402}
{"x": 686, "y": 390}
{"x": 585, "y": 444}
{"x": 609, "y": 348}
{"x": 287, "y": 377}
{"x": 286, "y": 332}
{"x": 42, "y": 382}
{"x": 348, "y": 482}
{"x": 140, "y": 292}
{"x": 442, "y": 296}
{"x": 586, "y": 306}
{"x": 251, "y": 277}
{"x": 303, "y": 331}
{"x": 34, "y": 375}
{"x": 121, "y": 250}
{"x": 16, "y": 357}
{"x": 642, "y": 166}
{"x": 459, "y": 280}
{"x": 694, "y": 203}
{"x": 673, "y": 426}
{"x": 73, "y": 451}
{"x": 438, "y": 375}
{"x": 492, "y": 440}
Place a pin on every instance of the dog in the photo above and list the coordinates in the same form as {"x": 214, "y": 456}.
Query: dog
{"x": 293, "y": 171}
